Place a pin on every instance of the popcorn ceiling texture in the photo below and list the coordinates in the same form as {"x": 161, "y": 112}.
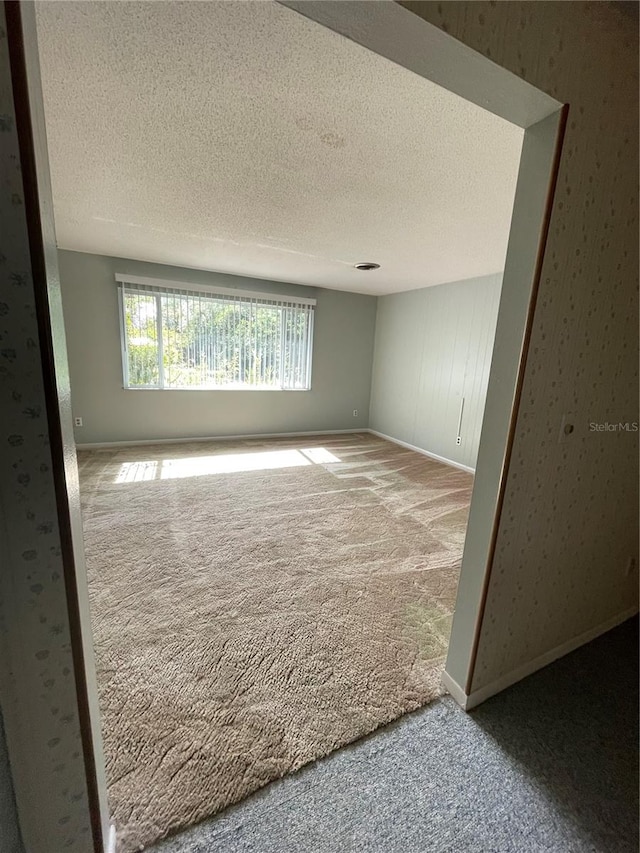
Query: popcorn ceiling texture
{"x": 570, "y": 519}
{"x": 243, "y": 138}
{"x": 249, "y": 621}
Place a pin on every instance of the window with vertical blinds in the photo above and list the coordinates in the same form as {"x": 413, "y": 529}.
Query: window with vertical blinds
{"x": 184, "y": 337}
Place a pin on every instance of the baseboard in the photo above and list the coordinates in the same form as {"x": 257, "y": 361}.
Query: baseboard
{"x": 452, "y": 687}
{"x": 476, "y": 697}
{"x": 421, "y": 450}
{"x": 104, "y": 445}
{"x": 110, "y": 844}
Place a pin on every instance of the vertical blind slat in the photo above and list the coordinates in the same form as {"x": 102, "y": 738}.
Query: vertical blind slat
{"x": 182, "y": 339}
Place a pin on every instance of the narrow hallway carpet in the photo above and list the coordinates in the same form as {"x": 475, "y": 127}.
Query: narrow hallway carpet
{"x": 548, "y": 766}
{"x": 257, "y": 605}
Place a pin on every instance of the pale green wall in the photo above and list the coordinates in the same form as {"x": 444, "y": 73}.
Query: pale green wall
{"x": 341, "y": 379}
{"x": 433, "y": 346}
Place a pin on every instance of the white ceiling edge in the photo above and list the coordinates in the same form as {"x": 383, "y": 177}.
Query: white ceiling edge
{"x": 359, "y": 291}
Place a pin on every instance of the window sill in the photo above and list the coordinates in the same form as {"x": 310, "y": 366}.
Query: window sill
{"x": 220, "y": 388}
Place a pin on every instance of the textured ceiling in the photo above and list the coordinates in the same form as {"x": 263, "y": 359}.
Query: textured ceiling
{"x": 244, "y": 138}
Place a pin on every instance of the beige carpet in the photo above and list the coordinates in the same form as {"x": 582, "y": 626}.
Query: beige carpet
{"x": 258, "y": 604}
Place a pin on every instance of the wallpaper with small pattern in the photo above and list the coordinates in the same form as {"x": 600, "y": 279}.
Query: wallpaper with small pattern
{"x": 36, "y": 670}
{"x": 570, "y": 523}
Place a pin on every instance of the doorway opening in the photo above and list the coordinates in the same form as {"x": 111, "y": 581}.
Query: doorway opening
{"x": 198, "y": 479}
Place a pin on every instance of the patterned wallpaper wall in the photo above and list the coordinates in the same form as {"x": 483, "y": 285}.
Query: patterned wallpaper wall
{"x": 570, "y": 522}
{"x": 38, "y": 696}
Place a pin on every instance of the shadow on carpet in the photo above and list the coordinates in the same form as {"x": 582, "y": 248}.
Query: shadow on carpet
{"x": 548, "y": 766}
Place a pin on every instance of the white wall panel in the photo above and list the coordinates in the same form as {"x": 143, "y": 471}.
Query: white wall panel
{"x": 432, "y": 350}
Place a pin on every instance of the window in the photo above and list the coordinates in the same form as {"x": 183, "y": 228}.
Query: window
{"x": 178, "y": 336}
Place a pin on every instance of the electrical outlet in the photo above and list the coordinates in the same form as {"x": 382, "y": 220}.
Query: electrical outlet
{"x": 355, "y": 413}
{"x": 631, "y": 566}
{"x": 459, "y": 440}
{"x": 77, "y": 422}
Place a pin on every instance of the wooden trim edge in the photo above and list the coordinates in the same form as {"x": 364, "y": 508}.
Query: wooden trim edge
{"x": 542, "y": 244}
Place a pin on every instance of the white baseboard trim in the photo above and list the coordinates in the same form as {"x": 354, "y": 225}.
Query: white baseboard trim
{"x": 455, "y": 690}
{"x": 110, "y": 843}
{"x": 476, "y": 697}
{"x": 421, "y": 450}
{"x": 104, "y": 445}
{"x": 107, "y": 445}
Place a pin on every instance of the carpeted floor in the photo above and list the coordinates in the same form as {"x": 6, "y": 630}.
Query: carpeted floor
{"x": 257, "y": 605}
{"x": 548, "y": 766}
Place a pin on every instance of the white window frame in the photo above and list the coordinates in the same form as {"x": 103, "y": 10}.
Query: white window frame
{"x": 158, "y": 285}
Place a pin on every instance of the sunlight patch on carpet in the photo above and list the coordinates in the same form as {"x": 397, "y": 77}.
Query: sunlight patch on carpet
{"x": 256, "y": 605}
{"x": 223, "y": 463}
